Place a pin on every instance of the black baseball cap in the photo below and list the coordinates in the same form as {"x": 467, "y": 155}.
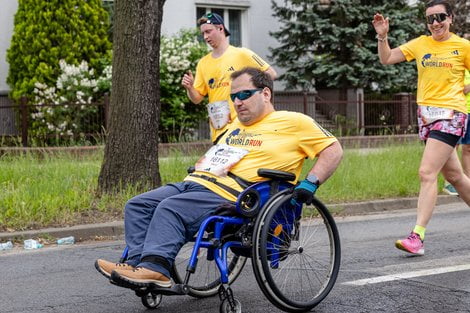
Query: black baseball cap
{"x": 214, "y": 19}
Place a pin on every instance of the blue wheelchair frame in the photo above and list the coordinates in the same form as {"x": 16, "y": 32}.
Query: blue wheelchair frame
{"x": 264, "y": 191}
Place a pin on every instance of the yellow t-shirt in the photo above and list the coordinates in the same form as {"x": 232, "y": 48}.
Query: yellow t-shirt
{"x": 467, "y": 82}
{"x": 441, "y": 68}
{"x": 213, "y": 76}
{"x": 281, "y": 141}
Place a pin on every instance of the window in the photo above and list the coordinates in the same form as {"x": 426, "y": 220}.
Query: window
{"x": 232, "y": 20}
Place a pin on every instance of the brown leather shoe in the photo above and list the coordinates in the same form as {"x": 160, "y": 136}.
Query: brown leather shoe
{"x": 140, "y": 276}
{"x": 106, "y": 267}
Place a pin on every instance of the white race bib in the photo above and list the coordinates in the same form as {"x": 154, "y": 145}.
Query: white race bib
{"x": 219, "y": 159}
{"x": 219, "y": 113}
{"x": 431, "y": 114}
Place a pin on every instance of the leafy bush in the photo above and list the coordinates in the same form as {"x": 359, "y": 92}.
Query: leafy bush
{"x": 48, "y": 31}
{"x": 178, "y": 54}
{"x": 65, "y": 110}
{"x": 69, "y": 108}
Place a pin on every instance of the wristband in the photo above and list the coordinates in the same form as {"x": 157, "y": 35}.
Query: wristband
{"x": 381, "y": 39}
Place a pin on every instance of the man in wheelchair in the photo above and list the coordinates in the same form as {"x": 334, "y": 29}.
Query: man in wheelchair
{"x": 159, "y": 222}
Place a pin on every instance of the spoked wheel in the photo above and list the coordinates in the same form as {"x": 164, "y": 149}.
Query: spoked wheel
{"x": 225, "y": 306}
{"x": 151, "y": 300}
{"x": 205, "y": 281}
{"x": 296, "y": 253}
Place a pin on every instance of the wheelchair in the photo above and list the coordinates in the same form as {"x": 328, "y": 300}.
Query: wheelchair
{"x": 294, "y": 249}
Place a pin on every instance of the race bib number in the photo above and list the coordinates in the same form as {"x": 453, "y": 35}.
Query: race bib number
{"x": 219, "y": 113}
{"x": 431, "y": 114}
{"x": 219, "y": 159}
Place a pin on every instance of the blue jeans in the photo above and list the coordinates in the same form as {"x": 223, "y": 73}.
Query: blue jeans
{"x": 159, "y": 222}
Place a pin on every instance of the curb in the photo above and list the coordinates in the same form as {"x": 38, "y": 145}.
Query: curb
{"x": 80, "y": 232}
{"x": 116, "y": 228}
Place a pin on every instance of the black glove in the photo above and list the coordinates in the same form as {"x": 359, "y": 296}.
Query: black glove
{"x": 303, "y": 192}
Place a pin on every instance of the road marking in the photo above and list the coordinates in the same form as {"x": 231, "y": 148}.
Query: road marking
{"x": 386, "y": 278}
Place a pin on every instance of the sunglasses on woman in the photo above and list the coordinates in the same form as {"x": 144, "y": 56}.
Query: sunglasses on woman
{"x": 244, "y": 94}
{"x": 439, "y": 17}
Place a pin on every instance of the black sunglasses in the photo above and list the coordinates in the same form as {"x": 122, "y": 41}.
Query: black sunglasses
{"x": 439, "y": 17}
{"x": 244, "y": 94}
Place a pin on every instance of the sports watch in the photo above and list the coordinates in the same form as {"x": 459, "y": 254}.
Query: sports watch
{"x": 313, "y": 179}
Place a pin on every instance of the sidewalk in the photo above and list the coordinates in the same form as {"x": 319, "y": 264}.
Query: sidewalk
{"x": 116, "y": 228}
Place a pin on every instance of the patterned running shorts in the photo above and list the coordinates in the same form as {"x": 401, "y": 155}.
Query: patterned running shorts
{"x": 455, "y": 126}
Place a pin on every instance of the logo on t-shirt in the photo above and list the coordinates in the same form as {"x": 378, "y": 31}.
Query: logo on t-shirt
{"x": 429, "y": 61}
{"x": 213, "y": 83}
{"x": 243, "y": 138}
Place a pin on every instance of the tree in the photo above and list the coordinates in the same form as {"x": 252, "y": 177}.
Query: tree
{"x": 48, "y": 31}
{"x": 331, "y": 44}
{"x": 131, "y": 151}
{"x": 461, "y": 19}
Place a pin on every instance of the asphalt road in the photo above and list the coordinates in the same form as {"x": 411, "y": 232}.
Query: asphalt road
{"x": 374, "y": 277}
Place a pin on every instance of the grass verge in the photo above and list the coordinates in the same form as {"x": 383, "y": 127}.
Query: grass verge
{"x": 60, "y": 190}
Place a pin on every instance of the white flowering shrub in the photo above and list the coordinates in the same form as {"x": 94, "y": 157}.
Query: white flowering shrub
{"x": 179, "y": 54}
{"x": 65, "y": 109}
{"x": 68, "y": 109}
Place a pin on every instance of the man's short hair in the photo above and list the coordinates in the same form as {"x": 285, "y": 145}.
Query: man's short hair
{"x": 214, "y": 19}
{"x": 259, "y": 78}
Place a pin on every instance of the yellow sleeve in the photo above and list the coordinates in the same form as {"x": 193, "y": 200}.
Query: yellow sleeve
{"x": 409, "y": 49}
{"x": 254, "y": 60}
{"x": 313, "y": 138}
{"x": 467, "y": 55}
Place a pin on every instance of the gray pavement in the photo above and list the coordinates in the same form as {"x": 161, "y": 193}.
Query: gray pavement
{"x": 116, "y": 228}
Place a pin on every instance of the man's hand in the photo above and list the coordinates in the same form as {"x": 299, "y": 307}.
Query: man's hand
{"x": 188, "y": 80}
{"x": 303, "y": 192}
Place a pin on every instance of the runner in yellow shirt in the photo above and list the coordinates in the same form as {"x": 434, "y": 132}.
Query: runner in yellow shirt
{"x": 213, "y": 73}
{"x": 441, "y": 60}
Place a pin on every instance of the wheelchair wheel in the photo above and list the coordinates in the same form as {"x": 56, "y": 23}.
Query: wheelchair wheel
{"x": 151, "y": 300}
{"x": 225, "y": 306}
{"x": 205, "y": 281}
{"x": 296, "y": 256}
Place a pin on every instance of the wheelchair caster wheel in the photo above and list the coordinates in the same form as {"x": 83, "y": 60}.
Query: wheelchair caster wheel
{"x": 151, "y": 300}
{"x": 225, "y": 306}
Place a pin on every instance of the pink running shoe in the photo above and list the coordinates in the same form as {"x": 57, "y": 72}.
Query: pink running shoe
{"x": 413, "y": 244}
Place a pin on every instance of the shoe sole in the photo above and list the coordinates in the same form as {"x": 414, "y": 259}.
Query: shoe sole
{"x": 137, "y": 284}
{"x": 398, "y": 245}
{"x": 101, "y": 271}
{"x": 451, "y": 193}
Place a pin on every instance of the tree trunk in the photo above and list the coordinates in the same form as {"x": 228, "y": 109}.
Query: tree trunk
{"x": 131, "y": 151}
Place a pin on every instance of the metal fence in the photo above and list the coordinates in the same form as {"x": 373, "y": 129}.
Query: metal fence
{"x": 358, "y": 114}
{"x": 343, "y": 114}
{"x": 19, "y": 123}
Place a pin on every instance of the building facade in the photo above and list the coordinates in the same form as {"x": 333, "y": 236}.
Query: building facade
{"x": 249, "y": 22}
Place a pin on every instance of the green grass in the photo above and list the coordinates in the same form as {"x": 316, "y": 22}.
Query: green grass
{"x": 60, "y": 190}
{"x": 379, "y": 173}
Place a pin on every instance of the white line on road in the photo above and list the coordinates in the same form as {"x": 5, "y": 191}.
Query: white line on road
{"x": 434, "y": 271}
